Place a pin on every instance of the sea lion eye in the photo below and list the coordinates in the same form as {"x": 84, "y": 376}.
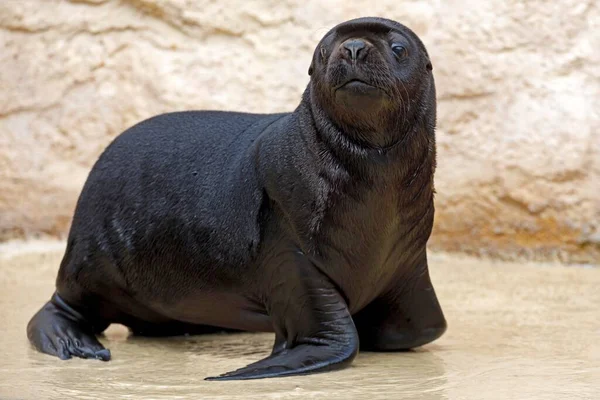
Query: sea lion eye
{"x": 399, "y": 50}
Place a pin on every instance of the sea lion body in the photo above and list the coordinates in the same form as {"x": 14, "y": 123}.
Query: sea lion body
{"x": 311, "y": 224}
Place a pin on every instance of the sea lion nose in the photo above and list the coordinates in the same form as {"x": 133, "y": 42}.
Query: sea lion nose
{"x": 356, "y": 49}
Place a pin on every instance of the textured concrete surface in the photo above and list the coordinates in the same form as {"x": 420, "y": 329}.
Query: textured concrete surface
{"x": 515, "y": 331}
{"x": 518, "y": 87}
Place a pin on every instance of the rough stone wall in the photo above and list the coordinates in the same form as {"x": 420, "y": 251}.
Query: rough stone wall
{"x": 518, "y": 89}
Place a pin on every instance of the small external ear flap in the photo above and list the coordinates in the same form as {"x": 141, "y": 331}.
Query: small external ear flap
{"x": 310, "y": 69}
{"x": 429, "y": 66}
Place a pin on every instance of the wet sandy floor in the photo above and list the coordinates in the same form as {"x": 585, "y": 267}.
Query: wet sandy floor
{"x": 515, "y": 332}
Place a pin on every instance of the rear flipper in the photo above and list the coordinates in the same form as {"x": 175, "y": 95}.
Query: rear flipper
{"x": 59, "y": 330}
{"x": 314, "y": 329}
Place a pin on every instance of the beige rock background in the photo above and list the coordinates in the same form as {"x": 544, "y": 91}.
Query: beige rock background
{"x": 518, "y": 90}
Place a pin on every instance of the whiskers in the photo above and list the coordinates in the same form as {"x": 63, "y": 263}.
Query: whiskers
{"x": 405, "y": 103}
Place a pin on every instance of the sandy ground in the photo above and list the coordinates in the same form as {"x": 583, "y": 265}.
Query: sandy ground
{"x": 515, "y": 332}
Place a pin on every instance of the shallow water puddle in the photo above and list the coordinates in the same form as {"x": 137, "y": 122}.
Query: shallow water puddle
{"x": 516, "y": 331}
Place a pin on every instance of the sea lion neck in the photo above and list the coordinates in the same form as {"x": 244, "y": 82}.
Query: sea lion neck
{"x": 351, "y": 145}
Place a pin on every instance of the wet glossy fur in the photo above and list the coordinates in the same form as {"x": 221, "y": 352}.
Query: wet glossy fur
{"x": 311, "y": 224}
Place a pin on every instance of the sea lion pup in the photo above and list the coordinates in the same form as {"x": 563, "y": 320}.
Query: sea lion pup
{"x": 311, "y": 224}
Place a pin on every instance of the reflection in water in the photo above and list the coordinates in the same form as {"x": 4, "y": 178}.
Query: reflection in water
{"x": 515, "y": 332}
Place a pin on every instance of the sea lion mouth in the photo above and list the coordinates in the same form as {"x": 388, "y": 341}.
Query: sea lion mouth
{"x": 355, "y": 84}
{"x": 358, "y": 87}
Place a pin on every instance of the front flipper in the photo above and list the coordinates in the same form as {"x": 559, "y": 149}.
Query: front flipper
{"x": 408, "y": 316}
{"x": 314, "y": 329}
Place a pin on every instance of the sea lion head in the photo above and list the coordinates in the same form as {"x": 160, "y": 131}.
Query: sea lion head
{"x": 373, "y": 77}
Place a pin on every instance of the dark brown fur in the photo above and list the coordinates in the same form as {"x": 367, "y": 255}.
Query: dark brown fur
{"x": 311, "y": 224}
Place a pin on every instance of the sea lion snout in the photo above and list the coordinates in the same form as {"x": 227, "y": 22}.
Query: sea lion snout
{"x": 351, "y": 71}
{"x": 355, "y": 49}
{"x": 353, "y": 74}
